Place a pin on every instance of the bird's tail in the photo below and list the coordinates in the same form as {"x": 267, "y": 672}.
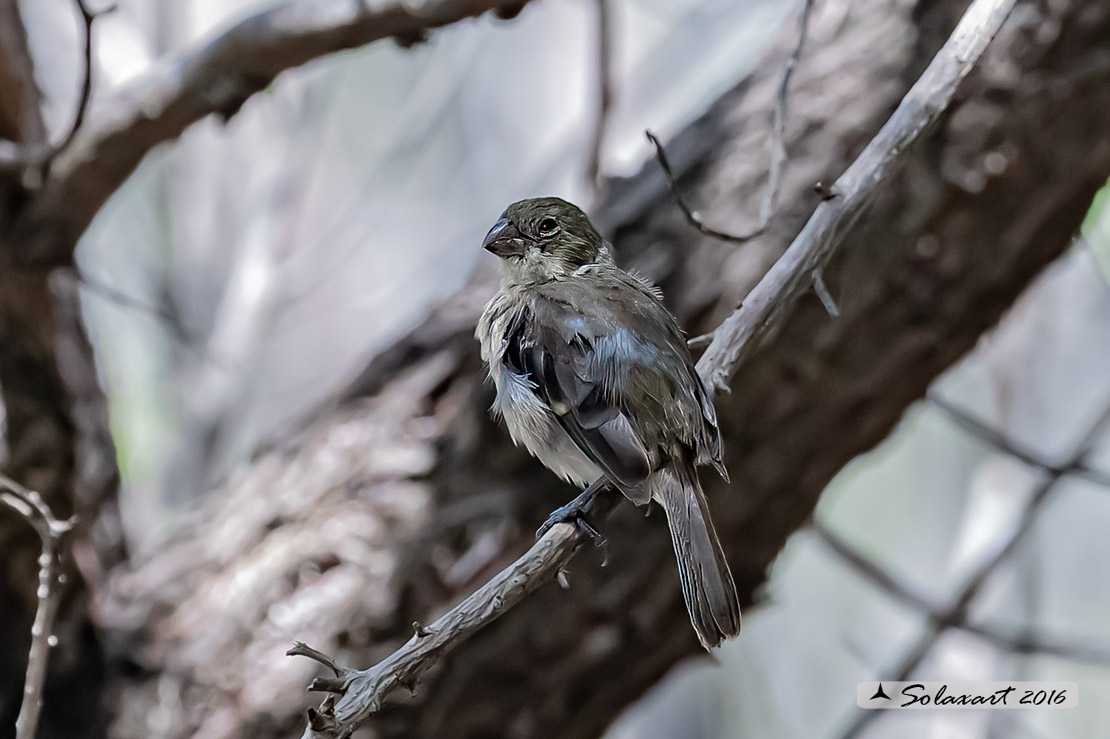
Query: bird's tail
{"x": 706, "y": 581}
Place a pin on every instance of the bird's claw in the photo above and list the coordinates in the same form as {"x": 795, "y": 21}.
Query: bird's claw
{"x": 596, "y": 537}
{"x": 574, "y": 513}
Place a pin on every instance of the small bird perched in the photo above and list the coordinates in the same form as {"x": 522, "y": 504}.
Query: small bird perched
{"x": 594, "y": 378}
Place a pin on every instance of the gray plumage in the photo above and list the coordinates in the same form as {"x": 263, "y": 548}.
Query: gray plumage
{"x": 594, "y": 378}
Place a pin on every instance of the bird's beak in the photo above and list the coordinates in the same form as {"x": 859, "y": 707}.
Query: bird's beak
{"x": 504, "y": 240}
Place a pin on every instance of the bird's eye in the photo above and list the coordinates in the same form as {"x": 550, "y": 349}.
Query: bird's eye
{"x": 548, "y": 226}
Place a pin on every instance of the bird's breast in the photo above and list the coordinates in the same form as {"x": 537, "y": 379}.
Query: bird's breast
{"x": 533, "y": 425}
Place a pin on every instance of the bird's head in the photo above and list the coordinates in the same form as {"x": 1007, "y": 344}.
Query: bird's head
{"x": 543, "y": 239}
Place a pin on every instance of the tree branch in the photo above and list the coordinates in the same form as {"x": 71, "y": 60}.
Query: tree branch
{"x": 217, "y": 78}
{"x": 31, "y": 506}
{"x": 162, "y": 315}
{"x": 363, "y": 691}
{"x": 784, "y": 283}
{"x": 764, "y": 308}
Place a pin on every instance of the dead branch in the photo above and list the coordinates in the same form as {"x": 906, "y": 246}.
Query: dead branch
{"x": 778, "y": 125}
{"x": 784, "y": 283}
{"x": 790, "y": 277}
{"x": 957, "y": 612}
{"x": 778, "y": 151}
{"x": 363, "y": 691}
{"x": 217, "y": 78}
{"x": 31, "y": 506}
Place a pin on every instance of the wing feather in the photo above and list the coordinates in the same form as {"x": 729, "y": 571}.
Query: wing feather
{"x": 611, "y": 363}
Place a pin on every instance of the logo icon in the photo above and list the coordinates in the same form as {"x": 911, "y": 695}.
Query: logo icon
{"x": 880, "y": 693}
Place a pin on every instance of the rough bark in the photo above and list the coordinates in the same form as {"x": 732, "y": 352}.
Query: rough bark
{"x": 404, "y": 496}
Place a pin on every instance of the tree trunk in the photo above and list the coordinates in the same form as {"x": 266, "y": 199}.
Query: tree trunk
{"x": 56, "y": 442}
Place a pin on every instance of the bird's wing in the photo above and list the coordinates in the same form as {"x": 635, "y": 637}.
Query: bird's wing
{"x": 610, "y": 362}
{"x": 563, "y": 376}
{"x": 693, "y": 419}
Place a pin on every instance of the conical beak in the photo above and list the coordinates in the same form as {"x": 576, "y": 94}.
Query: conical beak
{"x": 504, "y": 240}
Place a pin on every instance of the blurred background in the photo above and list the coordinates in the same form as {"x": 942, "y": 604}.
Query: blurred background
{"x": 246, "y": 275}
{"x": 262, "y": 263}
{"x": 269, "y": 259}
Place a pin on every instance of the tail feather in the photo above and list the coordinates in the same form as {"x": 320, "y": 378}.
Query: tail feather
{"x": 706, "y": 580}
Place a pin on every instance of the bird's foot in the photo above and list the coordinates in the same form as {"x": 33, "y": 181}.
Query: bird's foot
{"x": 575, "y": 513}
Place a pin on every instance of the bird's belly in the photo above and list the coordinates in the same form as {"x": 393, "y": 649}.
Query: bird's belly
{"x": 533, "y": 425}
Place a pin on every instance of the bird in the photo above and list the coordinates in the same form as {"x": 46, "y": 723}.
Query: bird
{"x": 594, "y": 378}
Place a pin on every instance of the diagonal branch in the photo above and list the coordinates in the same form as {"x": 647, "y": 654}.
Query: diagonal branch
{"x": 31, "y": 506}
{"x": 217, "y": 78}
{"x": 362, "y": 692}
{"x": 823, "y": 236}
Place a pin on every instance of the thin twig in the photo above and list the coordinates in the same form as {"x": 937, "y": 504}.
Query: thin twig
{"x": 692, "y": 217}
{"x": 777, "y": 146}
{"x": 778, "y": 135}
{"x": 31, "y": 506}
{"x": 16, "y": 157}
{"x": 871, "y": 570}
{"x": 824, "y": 295}
{"x": 768, "y": 304}
{"x": 957, "y": 612}
{"x": 604, "y": 90}
{"x": 733, "y": 341}
{"x": 300, "y": 649}
{"x": 700, "y": 340}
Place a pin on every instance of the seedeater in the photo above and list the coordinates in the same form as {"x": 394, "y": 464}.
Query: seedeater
{"x": 594, "y": 378}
